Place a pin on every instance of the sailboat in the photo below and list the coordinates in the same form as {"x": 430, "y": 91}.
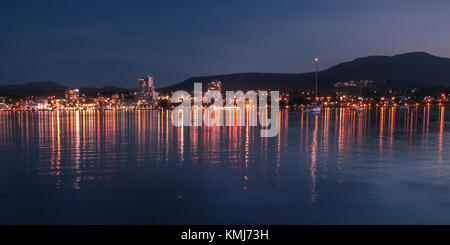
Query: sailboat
{"x": 358, "y": 107}
{"x": 314, "y": 107}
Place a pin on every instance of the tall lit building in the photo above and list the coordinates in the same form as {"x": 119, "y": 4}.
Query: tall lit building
{"x": 147, "y": 91}
{"x": 215, "y": 85}
{"x": 72, "y": 96}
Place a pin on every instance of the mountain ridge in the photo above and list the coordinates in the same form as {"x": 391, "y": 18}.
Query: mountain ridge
{"x": 49, "y": 88}
{"x": 413, "y": 69}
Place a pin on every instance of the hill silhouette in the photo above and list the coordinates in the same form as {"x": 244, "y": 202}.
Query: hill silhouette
{"x": 417, "y": 69}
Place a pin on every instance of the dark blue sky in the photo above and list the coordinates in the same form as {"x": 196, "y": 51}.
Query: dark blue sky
{"x": 94, "y": 43}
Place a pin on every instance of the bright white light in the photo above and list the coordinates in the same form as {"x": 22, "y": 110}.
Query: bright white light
{"x": 316, "y": 59}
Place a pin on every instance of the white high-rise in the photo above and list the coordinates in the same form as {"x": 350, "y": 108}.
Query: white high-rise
{"x": 147, "y": 91}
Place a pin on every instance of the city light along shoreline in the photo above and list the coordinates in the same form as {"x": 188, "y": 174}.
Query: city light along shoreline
{"x": 147, "y": 98}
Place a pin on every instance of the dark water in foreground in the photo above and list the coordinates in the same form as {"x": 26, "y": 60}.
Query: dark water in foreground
{"x": 383, "y": 166}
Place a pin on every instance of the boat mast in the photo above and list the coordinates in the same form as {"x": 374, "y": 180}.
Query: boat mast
{"x": 316, "y": 60}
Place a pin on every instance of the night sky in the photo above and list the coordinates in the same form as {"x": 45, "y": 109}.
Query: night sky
{"x": 82, "y": 43}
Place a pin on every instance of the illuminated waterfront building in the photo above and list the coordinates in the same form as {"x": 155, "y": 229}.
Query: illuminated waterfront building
{"x": 215, "y": 86}
{"x": 40, "y": 104}
{"x": 72, "y": 96}
{"x": 147, "y": 93}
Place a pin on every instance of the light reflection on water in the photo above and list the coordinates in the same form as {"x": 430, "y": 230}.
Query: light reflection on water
{"x": 382, "y": 165}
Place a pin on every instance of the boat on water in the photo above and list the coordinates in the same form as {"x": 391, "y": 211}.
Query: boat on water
{"x": 313, "y": 108}
{"x": 357, "y": 108}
